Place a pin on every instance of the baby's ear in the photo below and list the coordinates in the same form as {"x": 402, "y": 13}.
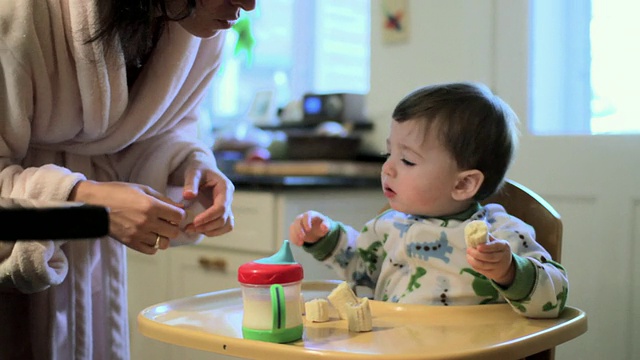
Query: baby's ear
{"x": 467, "y": 184}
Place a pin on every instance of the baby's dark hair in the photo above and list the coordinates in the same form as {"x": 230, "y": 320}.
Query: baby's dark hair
{"x": 477, "y": 127}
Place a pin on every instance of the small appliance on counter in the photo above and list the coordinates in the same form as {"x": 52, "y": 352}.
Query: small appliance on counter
{"x": 340, "y": 107}
{"x": 272, "y": 297}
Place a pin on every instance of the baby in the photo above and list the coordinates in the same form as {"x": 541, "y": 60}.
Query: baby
{"x": 449, "y": 148}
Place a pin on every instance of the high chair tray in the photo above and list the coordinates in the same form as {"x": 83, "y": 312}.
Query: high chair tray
{"x": 213, "y": 322}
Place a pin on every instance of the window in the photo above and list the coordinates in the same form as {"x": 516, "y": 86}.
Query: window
{"x": 318, "y": 46}
{"x": 584, "y": 67}
{"x": 615, "y": 74}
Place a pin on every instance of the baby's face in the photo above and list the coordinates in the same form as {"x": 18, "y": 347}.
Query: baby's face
{"x": 419, "y": 174}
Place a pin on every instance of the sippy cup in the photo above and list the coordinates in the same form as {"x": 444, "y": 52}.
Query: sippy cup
{"x": 271, "y": 297}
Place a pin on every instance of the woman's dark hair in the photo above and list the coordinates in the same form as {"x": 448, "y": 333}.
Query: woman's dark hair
{"x": 137, "y": 24}
{"x": 474, "y": 125}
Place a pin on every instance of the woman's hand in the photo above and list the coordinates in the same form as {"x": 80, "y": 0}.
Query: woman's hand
{"x": 139, "y": 217}
{"x": 493, "y": 260}
{"x": 308, "y": 227}
{"x": 218, "y": 218}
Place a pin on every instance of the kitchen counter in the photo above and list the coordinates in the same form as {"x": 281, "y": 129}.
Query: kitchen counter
{"x": 280, "y": 182}
{"x": 344, "y": 174}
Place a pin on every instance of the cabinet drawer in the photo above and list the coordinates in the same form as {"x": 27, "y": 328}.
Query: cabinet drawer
{"x": 198, "y": 269}
{"x": 255, "y": 224}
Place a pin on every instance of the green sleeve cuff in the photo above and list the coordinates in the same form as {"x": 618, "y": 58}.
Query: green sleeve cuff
{"x": 323, "y": 248}
{"x": 523, "y": 282}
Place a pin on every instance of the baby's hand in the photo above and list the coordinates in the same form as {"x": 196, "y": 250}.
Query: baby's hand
{"x": 308, "y": 227}
{"x": 493, "y": 260}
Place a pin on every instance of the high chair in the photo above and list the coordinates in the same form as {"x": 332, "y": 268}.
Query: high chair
{"x": 211, "y": 322}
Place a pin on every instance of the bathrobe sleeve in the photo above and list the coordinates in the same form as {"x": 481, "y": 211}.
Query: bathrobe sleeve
{"x": 20, "y": 65}
{"x": 29, "y": 266}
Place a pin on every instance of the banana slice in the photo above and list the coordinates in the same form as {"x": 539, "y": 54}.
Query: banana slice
{"x": 341, "y": 297}
{"x": 317, "y": 310}
{"x": 359, "y": 316}
{"x": 475, "y": 233}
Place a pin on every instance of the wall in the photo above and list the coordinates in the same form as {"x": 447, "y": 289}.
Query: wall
{"x": 449, "y": 40}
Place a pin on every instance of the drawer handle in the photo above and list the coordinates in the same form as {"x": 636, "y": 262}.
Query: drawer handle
{"x": 216, "y": 264}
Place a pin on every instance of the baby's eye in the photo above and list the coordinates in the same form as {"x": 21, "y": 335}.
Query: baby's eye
{"x": 385, "y": 154}
{"x": 407, "y": 162}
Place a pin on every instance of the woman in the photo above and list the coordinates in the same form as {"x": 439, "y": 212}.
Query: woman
{"x": 98, "y": 104}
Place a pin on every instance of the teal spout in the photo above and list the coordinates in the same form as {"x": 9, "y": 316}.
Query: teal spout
{"x": 283, "y": 256}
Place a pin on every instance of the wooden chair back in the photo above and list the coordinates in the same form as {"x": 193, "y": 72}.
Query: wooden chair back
{"x": 531, "y": 208}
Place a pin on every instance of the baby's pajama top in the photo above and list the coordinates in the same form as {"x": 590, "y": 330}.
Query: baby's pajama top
{"x": 413, "y": 259}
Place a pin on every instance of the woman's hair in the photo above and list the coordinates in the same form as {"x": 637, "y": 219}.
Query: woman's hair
{"x": 135, "y": 24}
{"x": 477, "y": 127}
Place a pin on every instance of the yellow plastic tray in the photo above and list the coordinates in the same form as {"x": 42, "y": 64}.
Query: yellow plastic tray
{"x": 212, "y": 322}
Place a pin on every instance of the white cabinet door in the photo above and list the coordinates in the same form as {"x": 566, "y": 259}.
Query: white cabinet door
{"x": 147, "y": 285}
{"x": 254, "y": 213}
{"x": 199, "y": 269}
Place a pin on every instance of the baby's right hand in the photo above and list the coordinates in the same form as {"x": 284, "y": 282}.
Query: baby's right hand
{"x": 308, "y": 227}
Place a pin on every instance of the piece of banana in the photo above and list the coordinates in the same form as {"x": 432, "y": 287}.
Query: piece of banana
{"x": 475, "y": 233}
{"x": 317, "y": 310}
{"x": 359, "y": 316}
{"x": 341, "y": 297}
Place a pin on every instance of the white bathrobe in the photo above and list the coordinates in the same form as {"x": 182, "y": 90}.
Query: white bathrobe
{"x": 62, "y": 104}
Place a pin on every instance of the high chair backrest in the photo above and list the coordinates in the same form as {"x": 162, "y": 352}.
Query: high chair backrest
{"x": 531, "y": 208}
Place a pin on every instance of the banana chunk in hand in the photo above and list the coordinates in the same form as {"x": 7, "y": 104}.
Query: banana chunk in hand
{"x": 475, "y": 233}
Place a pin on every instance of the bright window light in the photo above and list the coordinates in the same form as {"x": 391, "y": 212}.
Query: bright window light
{"x": 584, "y": 67}
{"x": 300, "y": 47}
{"x": 615, "y": 70}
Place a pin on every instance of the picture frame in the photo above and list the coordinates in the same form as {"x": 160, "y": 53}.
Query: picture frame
{"x": 395, "y": 21}
{"x": 262, "y": 110}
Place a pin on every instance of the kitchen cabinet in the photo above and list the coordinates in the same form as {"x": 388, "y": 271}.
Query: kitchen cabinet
{"x": 262, "y": 219}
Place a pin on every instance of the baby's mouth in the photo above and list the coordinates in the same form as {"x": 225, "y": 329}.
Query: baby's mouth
{"x": 388, "y": 190}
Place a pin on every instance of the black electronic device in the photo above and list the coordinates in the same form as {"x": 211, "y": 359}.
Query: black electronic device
{"x": 340, "y": 107}
{"x": 28, "y": 219}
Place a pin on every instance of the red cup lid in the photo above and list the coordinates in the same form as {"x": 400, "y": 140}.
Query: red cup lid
{"x": 265, "y": 274}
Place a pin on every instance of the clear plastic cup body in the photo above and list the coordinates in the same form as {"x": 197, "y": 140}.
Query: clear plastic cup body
{"x": 258, "y": 307}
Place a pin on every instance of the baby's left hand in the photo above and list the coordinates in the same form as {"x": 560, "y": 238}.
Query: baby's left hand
{"x": 493, "y": 260}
